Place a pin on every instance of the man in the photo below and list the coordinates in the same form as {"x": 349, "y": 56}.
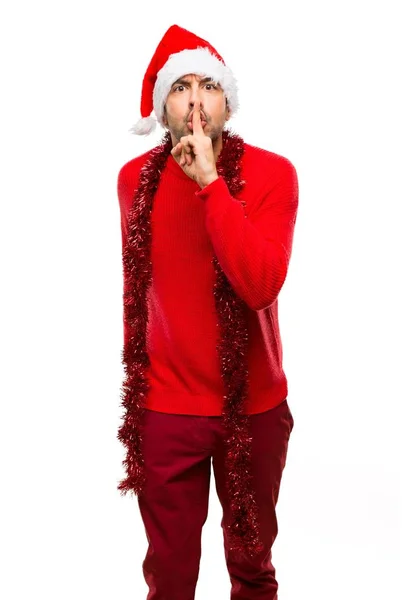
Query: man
{"x": 207, "y": 229}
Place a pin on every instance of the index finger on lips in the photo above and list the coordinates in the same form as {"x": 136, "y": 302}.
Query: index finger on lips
{"x": 197, "y": 128}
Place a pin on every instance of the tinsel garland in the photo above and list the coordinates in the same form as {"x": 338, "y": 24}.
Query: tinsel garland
{"x": 243, "y": 531}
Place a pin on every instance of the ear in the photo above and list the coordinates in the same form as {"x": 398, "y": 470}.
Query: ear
{"x": 228, "y": 111}
{"x": 164, "y": 117}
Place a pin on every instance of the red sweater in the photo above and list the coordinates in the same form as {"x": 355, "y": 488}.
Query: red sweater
{"x": 253, "y": 245}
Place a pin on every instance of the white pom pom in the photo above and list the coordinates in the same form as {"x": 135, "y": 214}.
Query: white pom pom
{"x": 144, "y": 126}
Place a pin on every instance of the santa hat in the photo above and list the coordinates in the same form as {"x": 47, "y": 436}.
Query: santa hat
{"x": 180, "y": 53}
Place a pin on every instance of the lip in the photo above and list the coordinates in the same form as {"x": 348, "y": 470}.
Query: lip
{"x": 190, "y": 124}
{"x": 191, "y": 117}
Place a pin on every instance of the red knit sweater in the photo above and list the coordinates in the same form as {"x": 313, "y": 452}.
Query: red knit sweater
{"x": 253, "y": 245}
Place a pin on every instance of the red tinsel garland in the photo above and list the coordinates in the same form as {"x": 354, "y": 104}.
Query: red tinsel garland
{"x": 242, "y": 532}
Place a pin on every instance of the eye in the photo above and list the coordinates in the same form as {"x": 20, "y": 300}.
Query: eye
{"x": 177, "y": 87}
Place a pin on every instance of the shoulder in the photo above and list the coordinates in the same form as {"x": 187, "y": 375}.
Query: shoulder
{"x": 130, "y": 170}
{"x": 128, "y": 178}
{"x": 269, "y": 165}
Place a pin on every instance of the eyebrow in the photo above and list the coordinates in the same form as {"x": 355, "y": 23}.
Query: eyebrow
{"x": 184, "y": 81}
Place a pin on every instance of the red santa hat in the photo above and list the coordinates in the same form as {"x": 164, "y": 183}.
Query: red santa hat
{"x": 180, "y": 53}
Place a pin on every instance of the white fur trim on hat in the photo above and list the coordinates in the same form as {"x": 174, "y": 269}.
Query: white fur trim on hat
{"x": 200, "y": 62}
{"x": 144, "y": 126}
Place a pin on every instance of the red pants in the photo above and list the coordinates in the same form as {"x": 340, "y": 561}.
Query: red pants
{"x": 178, "y": 450}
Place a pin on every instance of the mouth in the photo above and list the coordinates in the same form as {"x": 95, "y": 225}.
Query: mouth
{"x": 190, "y": 123}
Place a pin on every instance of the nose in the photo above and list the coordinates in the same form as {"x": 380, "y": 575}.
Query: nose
{"x": 192, "y": 106}
{"x": 195, "y": 95}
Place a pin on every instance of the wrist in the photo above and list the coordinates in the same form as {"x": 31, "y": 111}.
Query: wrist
{"x": 209, "y": 179}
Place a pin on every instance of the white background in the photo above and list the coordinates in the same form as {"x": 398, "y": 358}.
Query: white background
{"x": 326, "y": 84}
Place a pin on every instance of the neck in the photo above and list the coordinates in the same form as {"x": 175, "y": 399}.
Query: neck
{"x": 217, "y": 146}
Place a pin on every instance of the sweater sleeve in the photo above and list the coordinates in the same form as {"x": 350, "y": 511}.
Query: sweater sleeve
{"x": 254, "y": 252}
{"x": 124, "y": 199}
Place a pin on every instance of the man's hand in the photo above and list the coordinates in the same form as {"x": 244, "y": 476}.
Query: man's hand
{"x": 194, "y": 153}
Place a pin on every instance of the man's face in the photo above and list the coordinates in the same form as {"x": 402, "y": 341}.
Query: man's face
{"x": 180, "y": 104}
